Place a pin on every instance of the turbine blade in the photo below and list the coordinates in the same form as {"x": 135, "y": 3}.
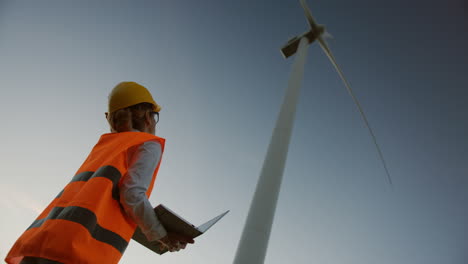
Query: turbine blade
{"x": 308, "y": 15}
{"x": 329, "y": 54}
{"x": 323, "y": 42}
{"x": 327, "y": 35}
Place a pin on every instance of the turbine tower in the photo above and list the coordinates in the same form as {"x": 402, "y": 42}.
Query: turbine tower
{"x": 255, "y": 235}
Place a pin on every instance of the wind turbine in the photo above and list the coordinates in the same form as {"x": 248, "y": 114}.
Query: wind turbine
{"x": 256, "y": 233}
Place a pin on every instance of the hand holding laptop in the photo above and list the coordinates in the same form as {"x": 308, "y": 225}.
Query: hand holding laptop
{"x": 175, "y": 242}
{"x": 180, "y": 231}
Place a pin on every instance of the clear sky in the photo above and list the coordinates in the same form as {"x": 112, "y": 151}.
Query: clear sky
{"x": 216, "y": 69}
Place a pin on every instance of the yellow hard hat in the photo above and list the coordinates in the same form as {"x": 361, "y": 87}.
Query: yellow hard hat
{"x": 126, "y": 94}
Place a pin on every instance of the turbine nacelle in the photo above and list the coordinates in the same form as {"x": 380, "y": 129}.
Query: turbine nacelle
{"x": 291, "y": 46}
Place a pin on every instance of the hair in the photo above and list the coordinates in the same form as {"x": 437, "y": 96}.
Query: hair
{"x": 132, "y": 117}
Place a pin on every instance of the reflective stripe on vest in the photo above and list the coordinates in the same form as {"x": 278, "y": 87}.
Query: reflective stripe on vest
{"x": 108, "y": 172}
{"x": 85, "y": 222}
{"x": 87, "y": 219}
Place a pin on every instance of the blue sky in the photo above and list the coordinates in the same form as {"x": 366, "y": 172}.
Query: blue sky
{"x": 216, "y": 69}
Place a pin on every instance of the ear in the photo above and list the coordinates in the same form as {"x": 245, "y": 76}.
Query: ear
{"x": 107, "y": 115}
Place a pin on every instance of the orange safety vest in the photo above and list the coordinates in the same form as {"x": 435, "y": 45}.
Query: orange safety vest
{"x": 85, "y": 222}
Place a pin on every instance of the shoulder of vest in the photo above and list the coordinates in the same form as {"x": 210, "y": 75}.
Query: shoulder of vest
{"x": 130, "y": 138}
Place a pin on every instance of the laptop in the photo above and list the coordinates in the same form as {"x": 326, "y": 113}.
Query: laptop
{"x": 172, "y": 222}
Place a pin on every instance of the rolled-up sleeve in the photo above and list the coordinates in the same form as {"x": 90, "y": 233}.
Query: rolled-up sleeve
{"x": 142, "y": 161}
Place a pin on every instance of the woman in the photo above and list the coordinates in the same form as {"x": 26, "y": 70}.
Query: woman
{"x": 94, "y": 217}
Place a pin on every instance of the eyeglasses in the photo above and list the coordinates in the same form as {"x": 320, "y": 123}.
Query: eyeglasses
{"x": 156, "y": 116}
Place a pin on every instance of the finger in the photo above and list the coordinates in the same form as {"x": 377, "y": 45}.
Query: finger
{"x": 187, "y": 240}
{"x": 176, "y": 247}
{"x": 163, "y": 246}
{"x": 181, "y": 245}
